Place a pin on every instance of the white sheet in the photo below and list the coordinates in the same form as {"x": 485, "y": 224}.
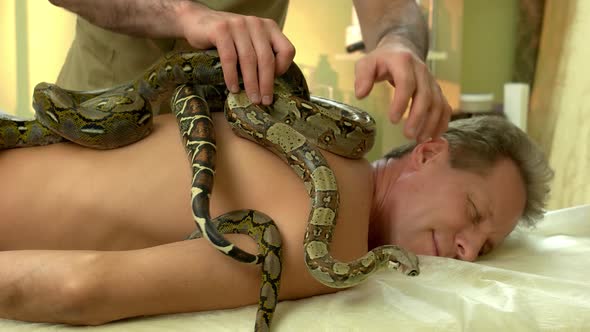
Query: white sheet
{"x": 537, "y": 281}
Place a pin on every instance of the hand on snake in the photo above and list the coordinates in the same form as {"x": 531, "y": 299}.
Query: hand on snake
{"x": 252, "y": 46}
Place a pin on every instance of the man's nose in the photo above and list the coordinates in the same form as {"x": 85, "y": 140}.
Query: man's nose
{"x": 468, "y": 245}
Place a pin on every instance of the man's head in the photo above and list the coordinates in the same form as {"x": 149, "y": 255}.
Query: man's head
{"x": 461, "y": 195}
{"x": 476, "y": 143}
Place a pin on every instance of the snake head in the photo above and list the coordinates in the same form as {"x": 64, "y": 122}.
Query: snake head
{"x": 404, "y": 261}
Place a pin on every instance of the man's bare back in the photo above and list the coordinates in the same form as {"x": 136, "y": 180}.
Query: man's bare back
{"x": 138, "y": 197}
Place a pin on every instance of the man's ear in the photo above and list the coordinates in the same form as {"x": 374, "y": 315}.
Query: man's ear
{"x": 434, "y": 150}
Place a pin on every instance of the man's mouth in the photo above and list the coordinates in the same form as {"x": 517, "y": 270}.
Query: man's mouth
{"x": 436, "y": 252}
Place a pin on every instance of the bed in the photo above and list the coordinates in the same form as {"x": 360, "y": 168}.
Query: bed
{"x": 536, "y": 281}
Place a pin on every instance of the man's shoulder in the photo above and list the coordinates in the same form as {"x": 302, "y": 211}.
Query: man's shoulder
{"x": 355, "y": 174}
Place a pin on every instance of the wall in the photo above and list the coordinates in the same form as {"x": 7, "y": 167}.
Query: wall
{"x": 489, "y": 40}
{"x": 8, "y": 63}
{"x": 35, "y": 37}
{"x": 447, "y": 38}
{"x": 479, "y": 39}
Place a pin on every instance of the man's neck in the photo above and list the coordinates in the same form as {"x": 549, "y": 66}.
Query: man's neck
{"x": 385, "y": 175}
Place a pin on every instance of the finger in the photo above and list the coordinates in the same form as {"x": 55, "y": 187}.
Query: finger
{"x": 247, "y": 59}
{"x": 429, "y": 127}
{"x": 265, "y": 57}
{"x": 229, "y": 61}
{"x": 405, "y": 85}
{"x": 282, "y": 47}
{"x": 364, "y": 72}
{"x": 421, "y": 102}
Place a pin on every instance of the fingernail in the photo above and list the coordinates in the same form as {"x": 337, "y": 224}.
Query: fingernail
{"x": 235, "y": 89}
{"x": 255, "y": 98}
{"x": 358, "y": 93}
{"x": 267, "y": 100}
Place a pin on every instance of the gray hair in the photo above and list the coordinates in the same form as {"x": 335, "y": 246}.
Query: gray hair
{"x": 477, "y": 143}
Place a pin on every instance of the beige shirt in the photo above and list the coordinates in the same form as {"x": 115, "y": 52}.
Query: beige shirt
{"x": 100, "y": 58}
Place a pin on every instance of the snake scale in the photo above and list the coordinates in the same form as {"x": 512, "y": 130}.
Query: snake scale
{"x": 294, "y": 128}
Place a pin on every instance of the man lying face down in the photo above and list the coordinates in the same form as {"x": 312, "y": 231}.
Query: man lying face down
{"x": 103, "y": 230}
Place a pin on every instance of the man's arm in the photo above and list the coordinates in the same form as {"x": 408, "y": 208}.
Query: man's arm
{"x": 257, "y": 44}
{"x": 399, "y": 20}
{"x": 396, "y": 38}
{"x": 96, "y": 287}
{"x": 145, "y": 18}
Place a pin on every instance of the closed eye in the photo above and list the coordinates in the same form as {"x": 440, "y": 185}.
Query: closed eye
{"x": 475, "y": 215}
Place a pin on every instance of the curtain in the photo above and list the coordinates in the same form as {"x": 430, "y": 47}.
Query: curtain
{"x": 560, "y": 102}
{"x": 527, "y": 40}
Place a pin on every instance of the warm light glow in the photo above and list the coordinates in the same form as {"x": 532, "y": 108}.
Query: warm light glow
{"x": 49, "y": 33}
{"x": 8, "y": 62}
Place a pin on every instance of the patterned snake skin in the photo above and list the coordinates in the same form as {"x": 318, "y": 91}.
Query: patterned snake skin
{"x": 293, "y": 128}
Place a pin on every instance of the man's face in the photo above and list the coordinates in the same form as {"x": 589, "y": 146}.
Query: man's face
{"x": 441, "y": 211}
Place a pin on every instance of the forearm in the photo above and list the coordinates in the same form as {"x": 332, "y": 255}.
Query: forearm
{"x": 95, "y": 287}
{"x": 145, "y": 18}
{"x": 399, "y": 21}
{"x": 35, "y": 285}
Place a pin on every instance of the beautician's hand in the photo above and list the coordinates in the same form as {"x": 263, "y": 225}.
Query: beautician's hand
{"x": 257, "y": 44}
{"x": 429, "y": 113}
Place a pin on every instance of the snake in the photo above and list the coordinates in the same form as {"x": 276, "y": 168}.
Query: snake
{"x": 196, "y": 129}
{"x": 295, "y": 128}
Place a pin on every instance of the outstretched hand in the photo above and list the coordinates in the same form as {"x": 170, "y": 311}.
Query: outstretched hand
{"x": 429, "y": 113}
{"x": 257, "y": 44}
